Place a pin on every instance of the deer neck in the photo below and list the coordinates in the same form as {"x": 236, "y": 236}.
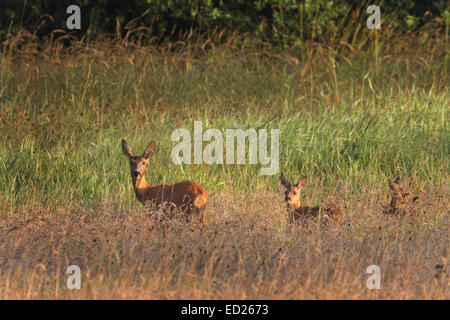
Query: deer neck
{"x": 293, "y": 207}
{"x": 141, "y": 187}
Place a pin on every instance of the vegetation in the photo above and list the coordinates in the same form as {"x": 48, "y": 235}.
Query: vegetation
{"x": 351, "y": 114}
{"x": 347, "y": 115}
{"x": 275, "y": 21}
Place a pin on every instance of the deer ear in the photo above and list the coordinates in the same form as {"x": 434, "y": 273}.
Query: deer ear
{"x": 302, "y": 182}
{"x": 284, "y": 181}
{"x": 149, "y": 150}
{"x": 126, "y": 149}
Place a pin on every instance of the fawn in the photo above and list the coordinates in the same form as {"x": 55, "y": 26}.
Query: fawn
{"x": 402, "y": 197}
{"x": 296, "y": 212}
{"x": 188, "y": 196}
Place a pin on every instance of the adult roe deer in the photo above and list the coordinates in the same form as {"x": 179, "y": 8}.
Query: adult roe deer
{"x": 188, "y": 196}
{"x": 296, "y": 211}
{"x": 402, "y": 198}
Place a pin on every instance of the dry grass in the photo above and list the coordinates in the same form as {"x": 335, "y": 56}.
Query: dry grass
{"x": 248, "y": 251}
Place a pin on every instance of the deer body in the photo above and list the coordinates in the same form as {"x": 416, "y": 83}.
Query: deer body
{"x": 326, "y": 211}
{"x": 188, "y": 196}
{"x": 178, "y": 194}
{"x": 296, "y": 211}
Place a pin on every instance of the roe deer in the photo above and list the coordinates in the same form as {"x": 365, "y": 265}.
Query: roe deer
{"x": 189, "y": 196}
{"x": 402, "y": 197}
{"x": 296, "y": 212}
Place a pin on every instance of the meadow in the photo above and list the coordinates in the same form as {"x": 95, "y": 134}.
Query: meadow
{"x": 350, "y": 116}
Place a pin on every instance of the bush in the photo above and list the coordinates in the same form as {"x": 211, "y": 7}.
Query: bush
{"x": 275, "y": 20}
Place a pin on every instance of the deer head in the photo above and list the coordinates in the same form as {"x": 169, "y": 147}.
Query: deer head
{"x": 402, "y": 197}
{"x": 138, "y": 163}
{"x": 292, "y": 192}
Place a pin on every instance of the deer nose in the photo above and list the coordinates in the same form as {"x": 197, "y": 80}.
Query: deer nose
{"x": 136, "y": 174}
{"x": 415, "y": 198}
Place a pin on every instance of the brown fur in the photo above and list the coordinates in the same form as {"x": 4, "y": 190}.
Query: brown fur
{"x": 188, "y": 196}
{"x": 402, "y": 199}
{"x": 296, "y": 211}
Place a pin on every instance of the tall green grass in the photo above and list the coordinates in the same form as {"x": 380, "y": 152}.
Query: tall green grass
{"x": 354, "y": 114}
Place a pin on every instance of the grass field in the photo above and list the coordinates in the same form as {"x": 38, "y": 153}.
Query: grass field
{"x": 350, "y": 117}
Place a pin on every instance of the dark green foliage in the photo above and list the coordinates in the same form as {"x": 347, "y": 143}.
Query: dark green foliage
{"x": 275, "y": 20}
